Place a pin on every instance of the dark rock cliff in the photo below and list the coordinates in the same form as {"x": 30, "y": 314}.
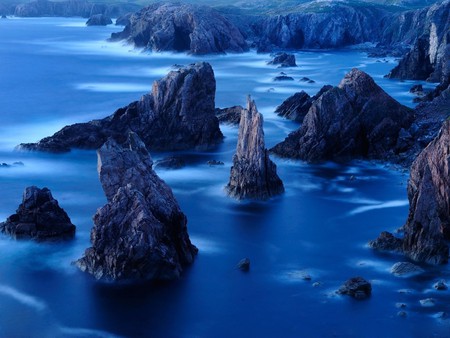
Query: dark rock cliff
{"x": 178, "y": 114}
{"x": 183, "y": 28}
{"x": 141, "y": 233}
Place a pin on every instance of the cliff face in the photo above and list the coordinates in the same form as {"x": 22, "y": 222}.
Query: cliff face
{"x": 141, "y": 233}
{"x": 178, "y": 114}
{"x": 357, "y": 119}
{"x": 183, "y": 28}
{"x": 428, "y": 221}
{"x": 253, "y": 175}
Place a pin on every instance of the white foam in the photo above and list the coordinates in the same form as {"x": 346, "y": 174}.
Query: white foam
{"x": 22, "y": 297}
{"x": 384, "y": 205}
{"x": 113, "y": 87}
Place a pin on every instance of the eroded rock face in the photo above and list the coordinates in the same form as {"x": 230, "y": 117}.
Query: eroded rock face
{"x": 182, "y": 28}
{"x": 99, "y": 20}
{"x": 356, "y": 119}
{"x": 141, "y": 233}
{"x": 39, "y": 217}
{"x": 178, "y": 114}
{"x": 253, "y": 175}
{"x": 428, "y": 223}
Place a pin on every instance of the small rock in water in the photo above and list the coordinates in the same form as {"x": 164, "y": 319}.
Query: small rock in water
{"x": 400, "y": 305}
{"x": 283, "y": 78}
{"x": 405, "y": 269}
{"x": 244, "y": 264}
{"x": 214, "y": 162}
{"x": 401, "y": 314}
{"x": 427, "y": 302}
{"x": 441, "y": 315}
{"x": 356, "y": 287}
{"x": 305, "y": 79}
{"x": 441, "y": 285}
{"x": 386, "y": 242}
{"x": 316, "y": 284}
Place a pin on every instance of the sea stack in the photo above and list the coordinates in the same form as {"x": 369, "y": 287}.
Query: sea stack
{"x": 38, "y": 217}
{"x": 253, "y": 175}
{"x": 141, "y": 233}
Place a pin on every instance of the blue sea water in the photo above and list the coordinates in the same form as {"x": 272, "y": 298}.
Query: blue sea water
{"x": 56, "y": 71}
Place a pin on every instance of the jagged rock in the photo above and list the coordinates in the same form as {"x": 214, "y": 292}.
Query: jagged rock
{"x": 296, "y": 107}
{"x": 123, "y": 20}
{"x": 356, "y": 119}
{"x": 178, "y": 114}
{"x": 141, "y": 233}
{"x": 356, "y": 287}
{"x": 182, "y": 28}
{"x": 441, "y": 285}
{"x": 39, "y": 217}
{"x": 283, "y": 78}
{"x": 244, "y": 264}
{"x": 171, "y": 162}
{"x": 230, "y": 115}
{"x": 253, "y": 175}
{"x": 405, "y": 269}
{"x": 386, "y": 242}
{"x": 99, "y": 20}
{"x": 428, "y": 223}
{"x": 283, "y": 60}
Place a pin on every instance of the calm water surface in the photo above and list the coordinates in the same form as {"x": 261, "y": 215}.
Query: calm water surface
{"x": 57, "y": 71}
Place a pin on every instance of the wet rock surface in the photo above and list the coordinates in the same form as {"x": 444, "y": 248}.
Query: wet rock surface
{"x": 356, "y": 287}
{"x": 141, "y": 233}
{"x": 38, "y": 217}
{"x": 387, "y": 242}
{"x": 283, "y": 60}
{"x": 406, "y": 269}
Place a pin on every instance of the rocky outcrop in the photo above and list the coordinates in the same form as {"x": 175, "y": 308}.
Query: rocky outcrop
{"x": 386, "y": 242}
{"x": 141, "y": 233}
{"x": 99, "y": 20}
{"x": 230, "y": 115}
{"x": 356, "y": 119}
{"x": 297, "y": 106}
{"x": 124, "y": 20}
{"x": 69, "y": 8}
{"x": 178, "y": 114}
{"x": 356, "y": 287}
{"x": 182, "y": 28}
{"x": 38, "y": 217}
{"x": 429, "y": 57}
{"x": 428, "y": 223}
{"x": 283, "y": 60}
{"x": 253, "y": 175}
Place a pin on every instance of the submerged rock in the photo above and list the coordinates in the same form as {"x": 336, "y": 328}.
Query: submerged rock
{"x": 141, "y": 233}
{"x": 253, "y": 175}
{"x": 405, "y": 269}
{"x": 297, "y": 106}
{"x": 99, "y": 20}
{"x": 283, "y": 60}
{"x": 182, "y": 28}
{"x": 441, "y": 285}
{"x": 230, "y": 115}
{"x": 356, "y": 287}
{"x": 428, "y": 223}
{"x": 39, "y": 217}
{"x": 244, "y": 264}
{"x": 356, "y": 119}
{"x": 178, "y": 114}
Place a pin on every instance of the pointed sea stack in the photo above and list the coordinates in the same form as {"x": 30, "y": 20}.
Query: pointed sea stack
{"x": 253, "y": 175}
{"x": 141, "y": 233}
{"x": 428, "y": 224}
{"x": 38, "y": 217}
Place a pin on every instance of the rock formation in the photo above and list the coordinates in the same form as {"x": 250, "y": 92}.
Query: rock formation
{"x": 428, "y": 223}
{"x": 356, "y": 119}
{"x": 230, "y": 115}
{"x": 38, "y": 217}
{"x": 296, "y": 106}
{"x": 178, "y": 114}
{"x": 356, "y": 287}
{"x": 99, "y": 20}
{"x": 283, "y": 60}
{"x": 141, "y": 233}
{"x": 253, "y": 175}
{"x": 182, "y": 28}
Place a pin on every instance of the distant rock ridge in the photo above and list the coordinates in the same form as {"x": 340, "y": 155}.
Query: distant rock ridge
{"x": 141, "y": 233}
{"x": 253, "y": 175}
{"x": 38, "y": 217}
{"x": 183, "y": 28}
{"x": 99, "y": 20}
{"x": 178, "y": 114}
{"x": 356, "y": 119}
{"x": 428, "y": 224}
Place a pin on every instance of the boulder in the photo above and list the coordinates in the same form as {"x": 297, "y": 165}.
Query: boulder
{"x": 283, "y": 60}
{"x": 231, "y": 115}
{"x": 283, "y": 78}
{"x": 386, "y": 242}
{"x": 182, "y": 28}
{"x": 178, "y": 114}
{"x": 440, "y": 285}
{"x": 356, "y": 119}
{"x": 405, "y": 269}
{"x": 38, "y": 217}
{"x": 253, "y": 175}
{"x": 428, "y": 223}
{"x": 297, "y": 106}
{"x": 141, "y": 233}
{"x": 244, "y": 265}
{"x": 356, "y": 287}
{"x": 99, "y": 20}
